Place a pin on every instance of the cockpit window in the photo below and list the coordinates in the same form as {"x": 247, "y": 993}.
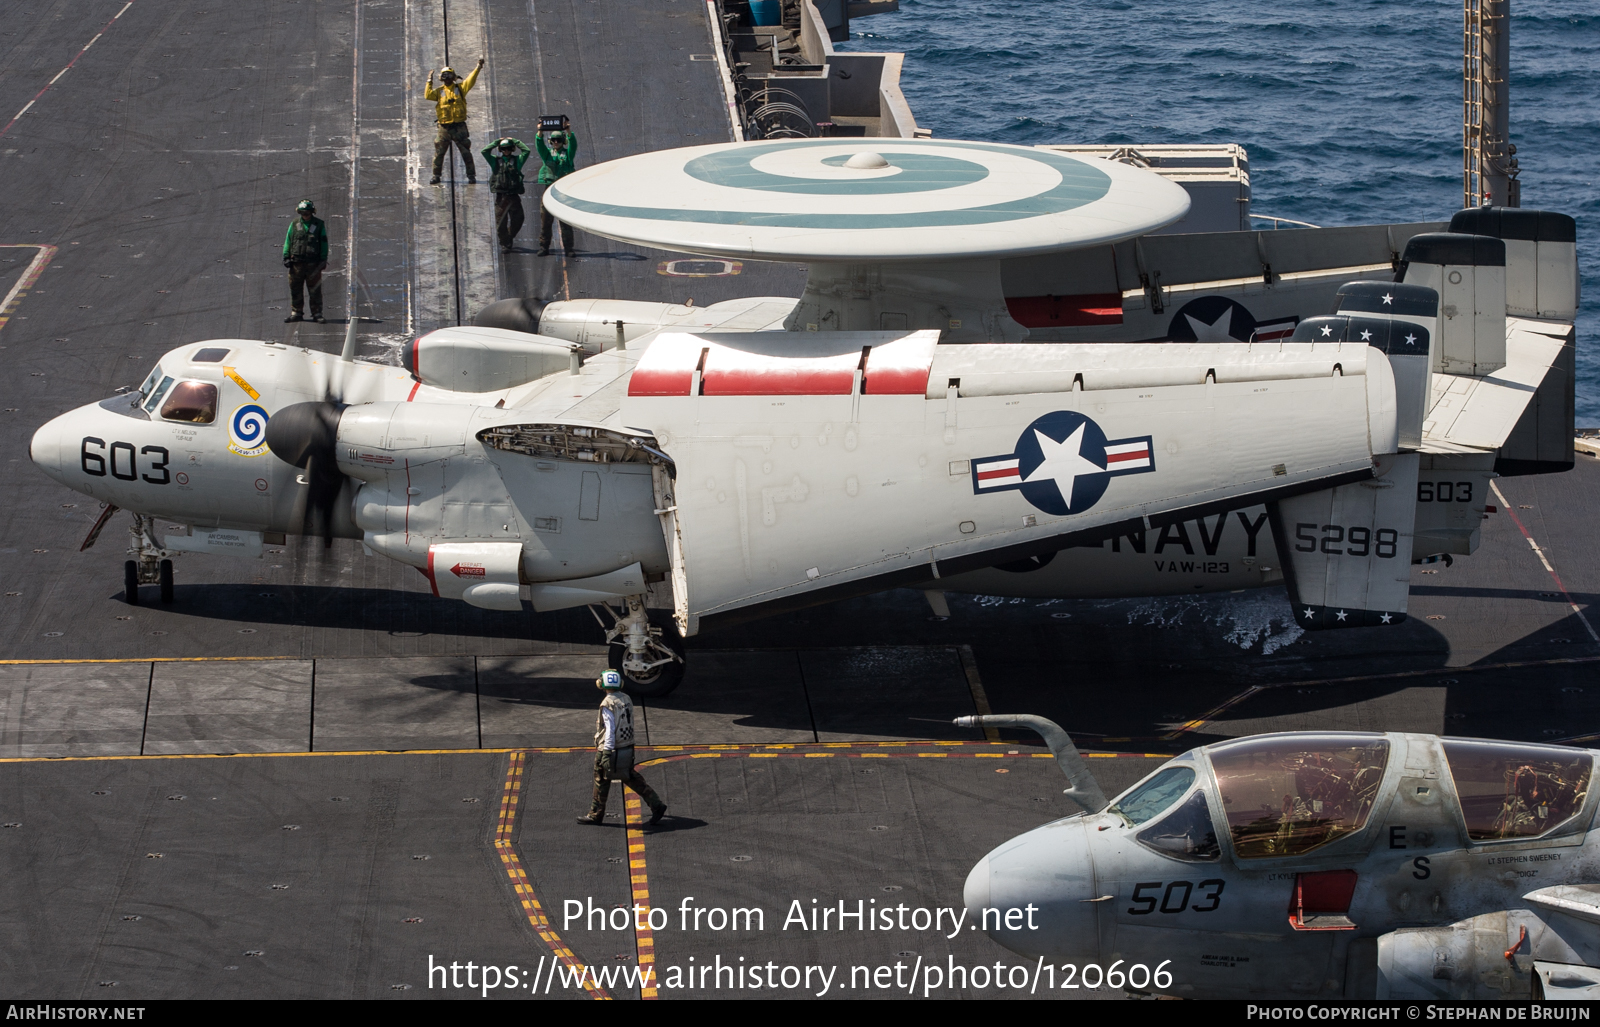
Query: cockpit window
{"x": 157, "y": 392}
{"x": 1516, "y": 791}
{"x": 1187, "y": 832}
{"x": 1288, "y": 795}
{"x": 195, "y": 402}
{"x": 1151, "y": 798}
{"x": 150, "y": 383}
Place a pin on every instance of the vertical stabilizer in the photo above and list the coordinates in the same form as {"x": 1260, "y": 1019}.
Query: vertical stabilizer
{"x": 1469, "y": 274}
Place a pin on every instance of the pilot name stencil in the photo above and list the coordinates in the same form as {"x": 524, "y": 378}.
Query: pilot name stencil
{"x": 1063, "y": 463}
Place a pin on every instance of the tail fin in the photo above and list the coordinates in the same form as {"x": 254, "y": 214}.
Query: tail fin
{"x": 1402, "y": 322}
{"x": 1469, "y": 274}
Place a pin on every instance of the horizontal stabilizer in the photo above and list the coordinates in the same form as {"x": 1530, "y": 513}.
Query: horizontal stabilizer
{"x": 1346, "y": 551}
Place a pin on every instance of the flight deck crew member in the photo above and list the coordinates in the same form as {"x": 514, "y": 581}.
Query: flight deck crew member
{"x": 613, "y": 752}
{"x": 505, "y": 159}
{"x": 451, "y": 96}
{"x": 558, "y": 157}
{"x": 305, "y": 254}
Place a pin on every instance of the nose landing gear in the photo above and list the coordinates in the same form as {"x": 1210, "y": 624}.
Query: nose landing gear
{"x": 150, "y": 564}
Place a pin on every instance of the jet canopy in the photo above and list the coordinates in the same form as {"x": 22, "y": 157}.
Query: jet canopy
{"x": 1291, "y": 794}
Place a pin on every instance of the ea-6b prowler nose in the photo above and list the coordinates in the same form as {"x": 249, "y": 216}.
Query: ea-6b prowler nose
{"x": 1034, "y": 894}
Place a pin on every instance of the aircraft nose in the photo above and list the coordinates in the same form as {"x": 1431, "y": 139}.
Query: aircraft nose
{"x": 976, "y": 892}
{"x": 1051, "y": 870}
{"x": 46, "y": 446}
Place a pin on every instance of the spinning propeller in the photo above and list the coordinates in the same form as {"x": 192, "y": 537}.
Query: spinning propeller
{"x": 305, "y": 435}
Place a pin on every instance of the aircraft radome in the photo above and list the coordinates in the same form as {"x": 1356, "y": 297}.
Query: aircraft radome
{"x": 1309, "y": 864}
{"x": 892, "y": 427}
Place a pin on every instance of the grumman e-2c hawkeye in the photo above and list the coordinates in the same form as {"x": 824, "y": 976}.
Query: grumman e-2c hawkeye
{"x": 892, "y": 427}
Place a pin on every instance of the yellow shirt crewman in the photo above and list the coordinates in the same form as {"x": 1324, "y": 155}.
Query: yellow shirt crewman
{"x": 451, "y": 96}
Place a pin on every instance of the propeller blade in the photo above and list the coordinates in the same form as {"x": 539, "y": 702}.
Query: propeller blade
{"x": 301, "y": 429}
{"x": 305, "y": 435}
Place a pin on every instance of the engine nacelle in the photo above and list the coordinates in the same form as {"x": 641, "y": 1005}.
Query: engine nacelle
{"x": 471, "y": 359}
{"x": 375, "y": 438}
{"x": 593, "y": 323}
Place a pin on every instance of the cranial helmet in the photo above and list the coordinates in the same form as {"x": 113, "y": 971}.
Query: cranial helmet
{"x": 448, "y": 71}
{"x": 307, "y": 207}
{"x": 507, "y": 144}
{"x": 610, "y": 681}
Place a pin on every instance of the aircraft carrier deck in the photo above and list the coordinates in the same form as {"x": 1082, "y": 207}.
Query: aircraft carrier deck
{"x": 306, "y": 776}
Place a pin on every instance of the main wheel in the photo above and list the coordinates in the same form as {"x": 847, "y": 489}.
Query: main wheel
{"x": 658, "y": 681}
{"x": 130, "y": 582}
{"x": 166, "y": 581}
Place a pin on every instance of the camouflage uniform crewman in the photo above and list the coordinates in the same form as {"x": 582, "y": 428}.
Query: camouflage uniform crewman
{"x": 452, "y": 101}
{"x": 305, "y": 254}
{"x": 505, "y": 159}
{"x": 613, "y": 752}
{"x": 558, "y": 163}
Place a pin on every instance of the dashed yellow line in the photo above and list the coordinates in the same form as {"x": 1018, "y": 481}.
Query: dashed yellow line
{"x": 531, "y": 907}
{"x": 644, "y": 938}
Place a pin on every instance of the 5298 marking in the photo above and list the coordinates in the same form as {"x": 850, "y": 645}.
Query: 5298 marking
{"x": 1175, "y": 899}
{"x": 121, "y": 462}
{"x": 1338, "y": 540}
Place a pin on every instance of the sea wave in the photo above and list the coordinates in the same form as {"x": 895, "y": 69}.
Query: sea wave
{"x": 1350, "y": 109}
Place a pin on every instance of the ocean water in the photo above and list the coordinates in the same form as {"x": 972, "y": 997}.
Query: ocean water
{"x": 1350, "y": 109}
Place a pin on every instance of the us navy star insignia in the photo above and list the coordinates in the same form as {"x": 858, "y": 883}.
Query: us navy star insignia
{"x": 1365, "y": 336}
{"x": 1327, "y": 330}
{"x": 1220, "y": 330}
{"x": 1388, "y": 297}
{"x": 1309, "y": 613}
{"x": 1340, "y": 615}
{"x": 1411, "y": 340}
{"x": 1063, "y": 461}
{"x": 1386, "y": 618}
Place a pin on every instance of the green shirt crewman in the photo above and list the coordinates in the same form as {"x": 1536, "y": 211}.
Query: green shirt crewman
{"x": 305, "y": 254}
{"x": 558, "y": 157}
{"x": 505, "y": 158}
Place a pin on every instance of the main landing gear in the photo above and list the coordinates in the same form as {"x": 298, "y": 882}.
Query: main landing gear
{"x": 150, "y": 564}
{"x": 650, "y": 659}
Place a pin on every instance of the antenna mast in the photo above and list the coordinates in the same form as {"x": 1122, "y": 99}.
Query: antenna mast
{"x": 1489, "y": 163}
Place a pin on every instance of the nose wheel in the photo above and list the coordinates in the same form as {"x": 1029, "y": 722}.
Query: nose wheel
{"x": 150, "y": 564}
